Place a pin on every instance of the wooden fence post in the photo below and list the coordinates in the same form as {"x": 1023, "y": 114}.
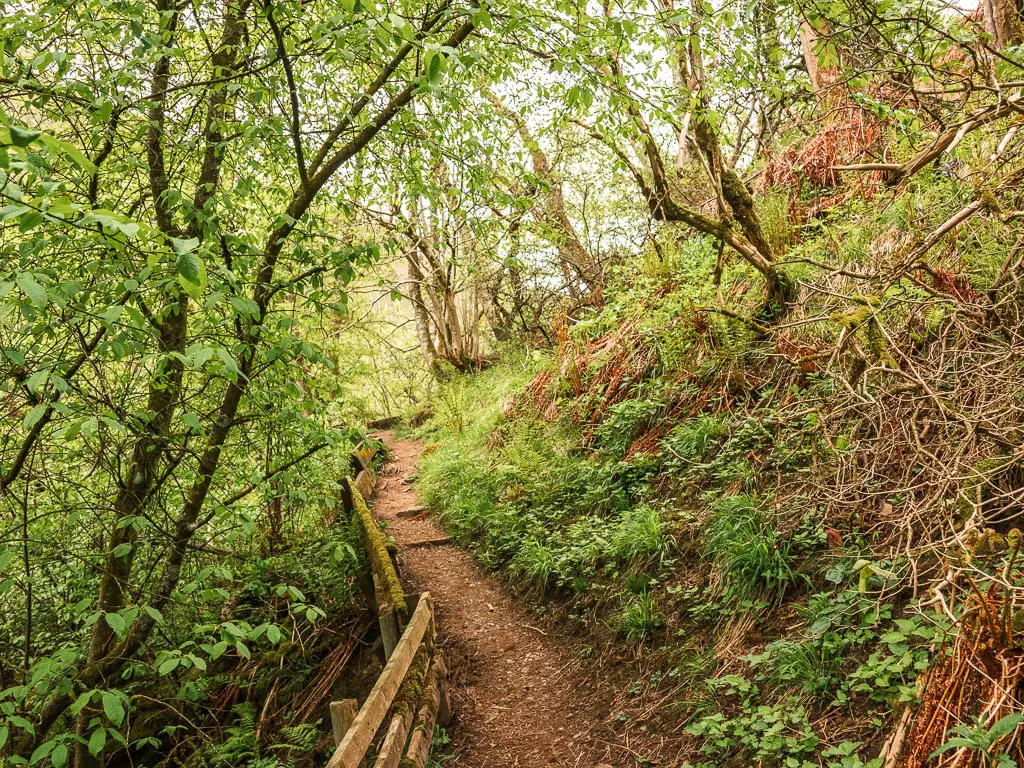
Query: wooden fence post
{"x": 353, "y": 747}
{"x": 389, "y": 631}
{"x": 342, "y": 714}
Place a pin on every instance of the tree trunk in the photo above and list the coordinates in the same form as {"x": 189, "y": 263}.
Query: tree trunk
{"x": 421, "y": 315}
{"x": 1003, "y": 20}
{"x": 681, "y": 82}
{"x": 166, "y": 381}
{"x": 573, "y": 257}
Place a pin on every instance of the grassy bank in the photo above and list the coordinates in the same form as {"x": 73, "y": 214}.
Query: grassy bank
{"x": 769, "y": 512}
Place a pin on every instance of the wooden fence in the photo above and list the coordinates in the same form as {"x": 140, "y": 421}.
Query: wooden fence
{"x": 411, "y": 689}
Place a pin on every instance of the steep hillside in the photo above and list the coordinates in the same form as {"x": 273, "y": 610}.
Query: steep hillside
{"x": 812, "y": 525}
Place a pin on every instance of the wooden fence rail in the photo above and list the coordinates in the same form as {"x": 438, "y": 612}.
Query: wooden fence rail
{"x": 412, "y": 686}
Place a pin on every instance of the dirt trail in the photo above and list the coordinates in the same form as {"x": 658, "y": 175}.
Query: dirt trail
{"x": 519, "y": 698}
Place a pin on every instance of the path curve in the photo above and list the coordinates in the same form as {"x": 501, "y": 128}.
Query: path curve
{"x": 515, "y": 695}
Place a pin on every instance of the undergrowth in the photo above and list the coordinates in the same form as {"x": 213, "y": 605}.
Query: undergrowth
{"x": 741, "y": 503}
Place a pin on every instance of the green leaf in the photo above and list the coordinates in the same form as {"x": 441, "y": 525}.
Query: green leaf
{"x": 22, "y": 723}
{"x": 112, "y": 221}
{"x": 188, "y": 267}
{"x": 113, "y": 424}
{"x": 111, "y": 314}
{"x": 154, "y": 614}
{"x": 97, "y": 741}
{"x": 1005, "y": 725}
{"x": 59, "y": 756}
{"x": 81, "y": 701}
{"x": 32, "y": 417}
{"x": 41, "y": 752}
{"x": 116, "y": 622}
{"x": 22, "y": 137}
{"x": 191, "y": 420}
{"x": 9, "y": 212}
{"x": 36, "y": 381}
{"x": 122, "y": 549}
{"x": 57, "y": 146}
{"x": 228, "y": 365}
{"x": 113, "y": 707}
{"x": 184, "y": 246}
{"x": 244, "y": 306}
{"x": 436, "y": 64}
{"x": 167, "y": 667}
{"x": 32, "y": 288}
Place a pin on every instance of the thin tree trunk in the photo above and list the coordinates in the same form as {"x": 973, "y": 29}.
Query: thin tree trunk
{"x": 166, "y": 381}
{"x": 573, "y": 257}
{"x": 420, "y": 315}
{"x": 1003, "y": 20}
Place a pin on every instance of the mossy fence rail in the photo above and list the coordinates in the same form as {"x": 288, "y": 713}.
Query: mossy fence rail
{"x": 411, "y": 690}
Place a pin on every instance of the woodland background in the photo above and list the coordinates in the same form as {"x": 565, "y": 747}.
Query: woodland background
{"x": 717, "y": 308}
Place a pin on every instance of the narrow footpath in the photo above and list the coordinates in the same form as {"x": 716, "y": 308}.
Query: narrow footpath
{"x": 519, "y": 698}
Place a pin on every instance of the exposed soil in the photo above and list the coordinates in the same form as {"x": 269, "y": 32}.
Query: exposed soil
{"x": 521, "y": 696}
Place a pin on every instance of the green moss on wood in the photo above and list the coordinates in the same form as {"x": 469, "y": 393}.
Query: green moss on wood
{"x": 419, "y": 726}
{"x": 408, "y": 696}
{"x": 380, "y": 561}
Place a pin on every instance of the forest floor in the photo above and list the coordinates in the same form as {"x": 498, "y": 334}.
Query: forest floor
{"x": 521, "y": 696}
